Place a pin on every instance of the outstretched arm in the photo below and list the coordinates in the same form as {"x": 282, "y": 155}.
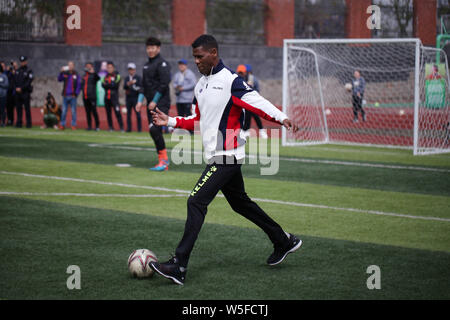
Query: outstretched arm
{"x": 246, "y": 98}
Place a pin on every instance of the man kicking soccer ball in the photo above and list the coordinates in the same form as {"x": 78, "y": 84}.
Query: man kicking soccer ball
{"x": 220, "y": 97}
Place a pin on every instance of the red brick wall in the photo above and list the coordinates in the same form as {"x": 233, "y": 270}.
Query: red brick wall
{"x": 356, "y": 21}
{"x": 425, "y": 20}
{"x": 188, "y": 21}
{"x": 279, "y": 21}
{"x": 90, "y": 33}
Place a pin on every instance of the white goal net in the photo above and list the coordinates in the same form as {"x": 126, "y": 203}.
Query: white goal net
{"x": 382, "y": 92}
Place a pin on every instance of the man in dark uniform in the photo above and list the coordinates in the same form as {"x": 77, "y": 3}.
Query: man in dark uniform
{"x": 89, "y": 89}
{"x": 132, "y": 86}
{"x": 111, "y": 85}
{"x": 23, "y": 79}
{"x": 155, "y": 82}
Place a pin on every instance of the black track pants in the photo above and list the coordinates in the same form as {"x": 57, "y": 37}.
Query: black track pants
{"x": 228, "y": 179}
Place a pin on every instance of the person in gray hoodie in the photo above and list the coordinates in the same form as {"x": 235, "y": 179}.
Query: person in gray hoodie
{"x": 4, "y": 84}
{"x": 184, "y": 83}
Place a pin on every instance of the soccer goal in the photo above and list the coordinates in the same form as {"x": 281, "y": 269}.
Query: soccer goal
{"x": 406, "y": 102}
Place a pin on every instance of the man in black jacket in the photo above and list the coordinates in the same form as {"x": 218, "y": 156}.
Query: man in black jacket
{"x": 89, "y": 89}
{"x": 23, "y": 79}
{"x": 132, "y": 86}
{"x": 111, "y": 85}
{"x": 155, "y": 88}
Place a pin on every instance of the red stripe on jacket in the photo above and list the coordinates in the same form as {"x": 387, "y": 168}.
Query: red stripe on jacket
{"x": 188, "y": 124}
{"x": 233, "y": 128}
{"x": 238, "y": 102}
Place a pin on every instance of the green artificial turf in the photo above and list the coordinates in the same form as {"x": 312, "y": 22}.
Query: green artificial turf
{"x": 63, "y": 201}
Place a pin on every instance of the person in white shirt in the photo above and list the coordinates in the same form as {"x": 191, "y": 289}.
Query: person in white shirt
{"x": 221, "y": 97}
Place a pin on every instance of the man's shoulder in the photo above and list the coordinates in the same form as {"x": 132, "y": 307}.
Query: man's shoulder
{"x": 164, "y": 64}
{"x": 190, "y": 72}
{"x": 227, "y": 74}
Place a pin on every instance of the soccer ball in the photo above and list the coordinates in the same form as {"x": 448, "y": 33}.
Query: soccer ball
{"x": 138, "y": 263}
{"x": 348, "y": 86}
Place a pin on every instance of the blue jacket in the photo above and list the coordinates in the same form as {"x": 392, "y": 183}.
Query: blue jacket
{"x": 4, "y": 84}
{"x": 359, "y": 85}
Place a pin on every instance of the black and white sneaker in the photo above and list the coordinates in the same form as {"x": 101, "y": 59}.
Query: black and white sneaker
{"x": 170, "y": 270}
{"x": 280, "y": 253}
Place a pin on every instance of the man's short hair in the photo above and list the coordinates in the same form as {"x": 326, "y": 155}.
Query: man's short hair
{"x": 111, "y": 63}
{"x": 206, "y": 41}
{"x": 152, "y": 41}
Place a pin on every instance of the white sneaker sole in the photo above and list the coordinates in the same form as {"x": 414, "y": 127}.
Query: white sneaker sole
{"x": 166, "y": 276}
{"x": 299, "y": 244}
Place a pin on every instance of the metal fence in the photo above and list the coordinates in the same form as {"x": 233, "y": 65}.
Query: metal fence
{"x": 236, "y": 21}
{"x": 31, "y": 20}
{"x": 132, "y": 21}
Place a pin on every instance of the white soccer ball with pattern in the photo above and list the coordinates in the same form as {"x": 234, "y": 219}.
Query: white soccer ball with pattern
{"x": 348, "y": 86}
{"x": 138, "y": 263}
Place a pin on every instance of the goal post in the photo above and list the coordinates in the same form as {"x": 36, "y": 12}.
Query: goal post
{"x": 432, "y": 128}
{"x": 393, "y": 108}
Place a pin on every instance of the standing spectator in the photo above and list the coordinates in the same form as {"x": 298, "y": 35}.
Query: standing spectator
{"x": 11, "y": 96}
{"x": 132, "y": 86}
{"x": 184, "y": 83}
{"x": 71, "y": 89}
{"x": 155, "y": 89}
{"x": 22, "y": 81}
{"x": 253, "y": 82}
{"x": 359, "y": 85}
{"x": 89, "y": 88}
{"x": 243, "y": 72}
{"x": 4, "y": 85}
{"x": 111, "y": 85}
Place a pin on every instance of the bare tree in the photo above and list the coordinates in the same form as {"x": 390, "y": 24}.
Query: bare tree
{"x": 403, "y": 11}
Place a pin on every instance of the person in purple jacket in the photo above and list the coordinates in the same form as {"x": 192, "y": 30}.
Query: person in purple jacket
{"x": 71, "y": 89}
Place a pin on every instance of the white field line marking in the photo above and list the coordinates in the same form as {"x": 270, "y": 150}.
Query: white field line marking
{"x": 381, "y": 213}
{"x": 93, "y": 195}
{"x": 303, "y": 160}
{"x": 180, "y": 192}
{"x": 72, "y": 134}
{"x": 125, "y": 185}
